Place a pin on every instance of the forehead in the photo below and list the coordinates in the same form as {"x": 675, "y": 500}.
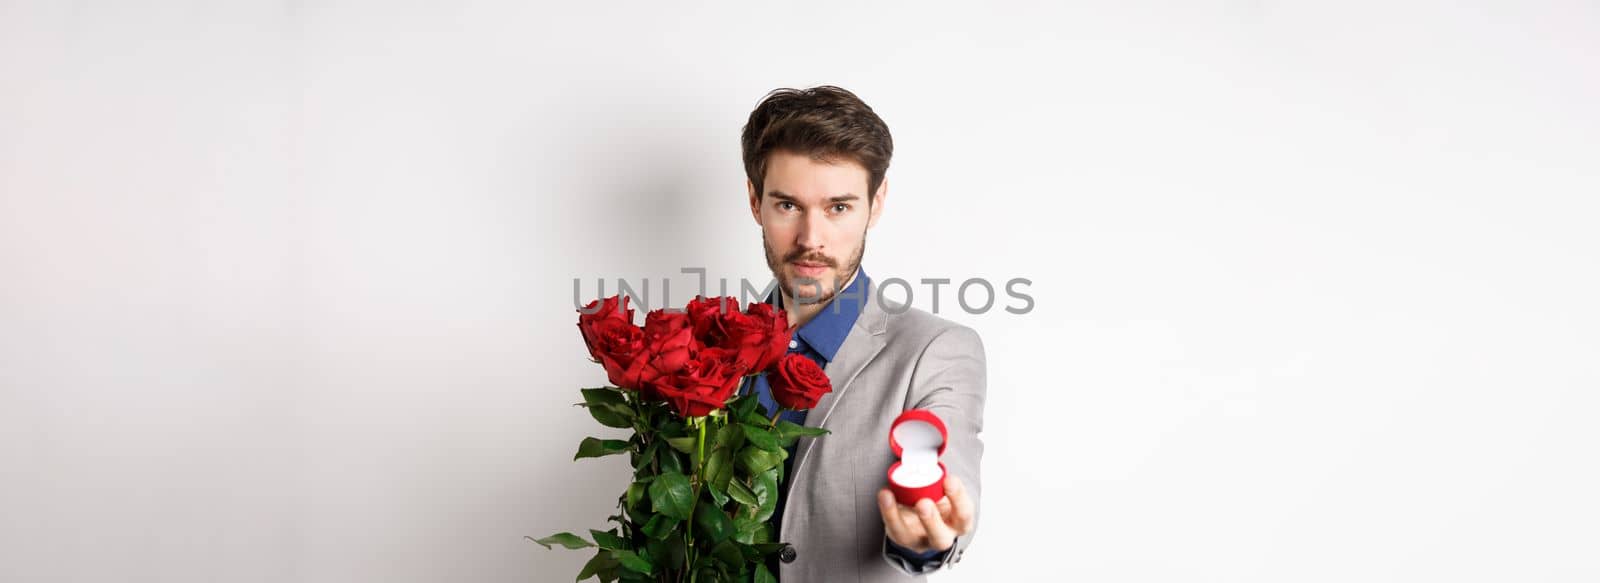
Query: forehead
{"x": 801, "y": 177}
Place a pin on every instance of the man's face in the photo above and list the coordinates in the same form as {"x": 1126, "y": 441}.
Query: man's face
{"x": 814, "y": 218}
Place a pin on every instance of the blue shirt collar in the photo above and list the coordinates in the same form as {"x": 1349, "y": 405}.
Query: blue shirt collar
{"x": 826, "y": 331}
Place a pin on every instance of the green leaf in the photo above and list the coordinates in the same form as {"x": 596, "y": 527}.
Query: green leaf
{"x": 675, "y": 549}
{"x": 635, "y": 493}
{"x": 719, "y": 470}
{"x": 670, "y": 462}
{"x": 603, "y": 395}
{"x": 731, "y": 436}
{"x": 608, "y": 406}
{"x": 671, "y": 495}
{"x": 609, "y": 540}
{"x": 789, "y": 432}
{"x": 742, "y": 493}
{"x": 660, "y": 526}
{"x": 749, "y": 410}
{"x": 641, "y": 462}
{"x": 683, "y": 444}
{"x": 728, "y": 553}
{"x": 756, "y": 460}
{"x": 745, "y": 406}
{"x": 610, "y": 416}
{"x": 655, "y": 551}
{"x": 602, "y": 566}
{"x": 766, "y": 490}
{"x": 759, "y": 437}
{"x": 594, "y": 447}
{"x": 745, "y": 529}
{"x": 712, "y": 522}
{"x": 632, "y": 561}
{"x": 790, "y": 428}
{"x": 565, "y": 539}
{"x": 763, "y": 575}
{"x": 665, "y": 420}
{"x": 717, "y": 495}
{"x": 751, "y": 555}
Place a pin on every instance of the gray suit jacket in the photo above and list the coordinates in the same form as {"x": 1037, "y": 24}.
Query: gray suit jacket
{"x": 895, "y": 358}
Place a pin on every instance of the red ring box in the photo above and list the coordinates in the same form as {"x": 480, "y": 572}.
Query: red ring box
{"x": 918, "y": 438}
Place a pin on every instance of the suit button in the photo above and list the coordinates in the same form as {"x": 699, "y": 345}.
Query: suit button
{"x": 787, "y": 554}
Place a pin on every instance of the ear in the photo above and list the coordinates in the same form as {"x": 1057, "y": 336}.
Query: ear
{"x": 755, "y": 202}
{"x": 877, "y": 202}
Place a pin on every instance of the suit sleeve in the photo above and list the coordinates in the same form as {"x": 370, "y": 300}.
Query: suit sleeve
{"x": 949, "y": 380}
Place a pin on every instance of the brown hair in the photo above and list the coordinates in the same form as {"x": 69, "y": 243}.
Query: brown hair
{"x": 824, "y": 122}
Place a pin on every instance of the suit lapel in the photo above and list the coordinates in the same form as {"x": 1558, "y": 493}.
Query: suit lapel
{"x": 865, "y": 341}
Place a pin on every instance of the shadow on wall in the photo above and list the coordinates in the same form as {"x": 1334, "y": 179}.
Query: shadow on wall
{"x": 620, "y": 180}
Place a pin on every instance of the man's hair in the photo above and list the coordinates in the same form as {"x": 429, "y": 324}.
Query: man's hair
{"x": 826, "y": 123}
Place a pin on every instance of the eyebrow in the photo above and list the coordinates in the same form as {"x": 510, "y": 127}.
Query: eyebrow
{"x": 846, "y": 197}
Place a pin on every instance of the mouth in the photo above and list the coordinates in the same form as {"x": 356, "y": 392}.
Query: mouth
{"x": 809, "y": 269}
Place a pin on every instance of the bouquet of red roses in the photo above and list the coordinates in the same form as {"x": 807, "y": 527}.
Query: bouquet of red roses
{"x": 707, "y": 457}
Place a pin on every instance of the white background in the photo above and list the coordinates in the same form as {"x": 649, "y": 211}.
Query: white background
{"x": 286, "y": 287}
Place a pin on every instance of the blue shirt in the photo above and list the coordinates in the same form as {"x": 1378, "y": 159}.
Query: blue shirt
{"x": 819, "y": 340}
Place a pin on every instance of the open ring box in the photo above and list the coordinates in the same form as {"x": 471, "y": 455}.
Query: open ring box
{"x": 918, "y": 438}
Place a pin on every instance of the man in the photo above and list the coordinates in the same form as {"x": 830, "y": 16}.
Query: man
{"x": 816, "y": 160}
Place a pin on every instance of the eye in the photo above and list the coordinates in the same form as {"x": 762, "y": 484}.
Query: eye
{"x": 841, "y": 207}
{"x": 785, "y": 205}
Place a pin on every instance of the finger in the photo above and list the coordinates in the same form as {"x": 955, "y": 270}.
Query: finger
{"x": 964, "y": 509}
{"x": 915, "y": 534}
{"x": 939, "y": 535}
{"x": 954, "y": 487}
{"x": 910, "y": 534}
{"x": 894, "y": 525}
{"x": 946, "y": 509}
{"x": 888, "y": 508}
{"x": 911, "y": 523}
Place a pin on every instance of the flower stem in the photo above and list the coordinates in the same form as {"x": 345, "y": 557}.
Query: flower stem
{"x": 700, "y": 443}
{"x": 699, "y": 480}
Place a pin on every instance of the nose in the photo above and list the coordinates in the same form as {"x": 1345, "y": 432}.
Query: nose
{"x": 811, "y": 235}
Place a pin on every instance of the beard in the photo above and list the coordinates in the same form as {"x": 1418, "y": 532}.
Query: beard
{"x": 786, "y": 284}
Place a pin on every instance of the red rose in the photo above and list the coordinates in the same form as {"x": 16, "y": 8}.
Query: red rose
{"x": 616, "y": 345}
{"x": 608, "y": 331}
{"x": 668, "y": 345}
{"x": 703, "y": 385}
{"x": 612, "y": 309}
{"x": 797, "y": 382}
{"x": 760, "y": 334}
{"x": 705, "y": 315}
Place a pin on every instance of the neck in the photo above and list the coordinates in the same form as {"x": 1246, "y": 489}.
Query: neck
{"x": 800, "y": 313}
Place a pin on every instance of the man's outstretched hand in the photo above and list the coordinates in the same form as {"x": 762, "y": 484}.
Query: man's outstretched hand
{"x": 928, "y": 525}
